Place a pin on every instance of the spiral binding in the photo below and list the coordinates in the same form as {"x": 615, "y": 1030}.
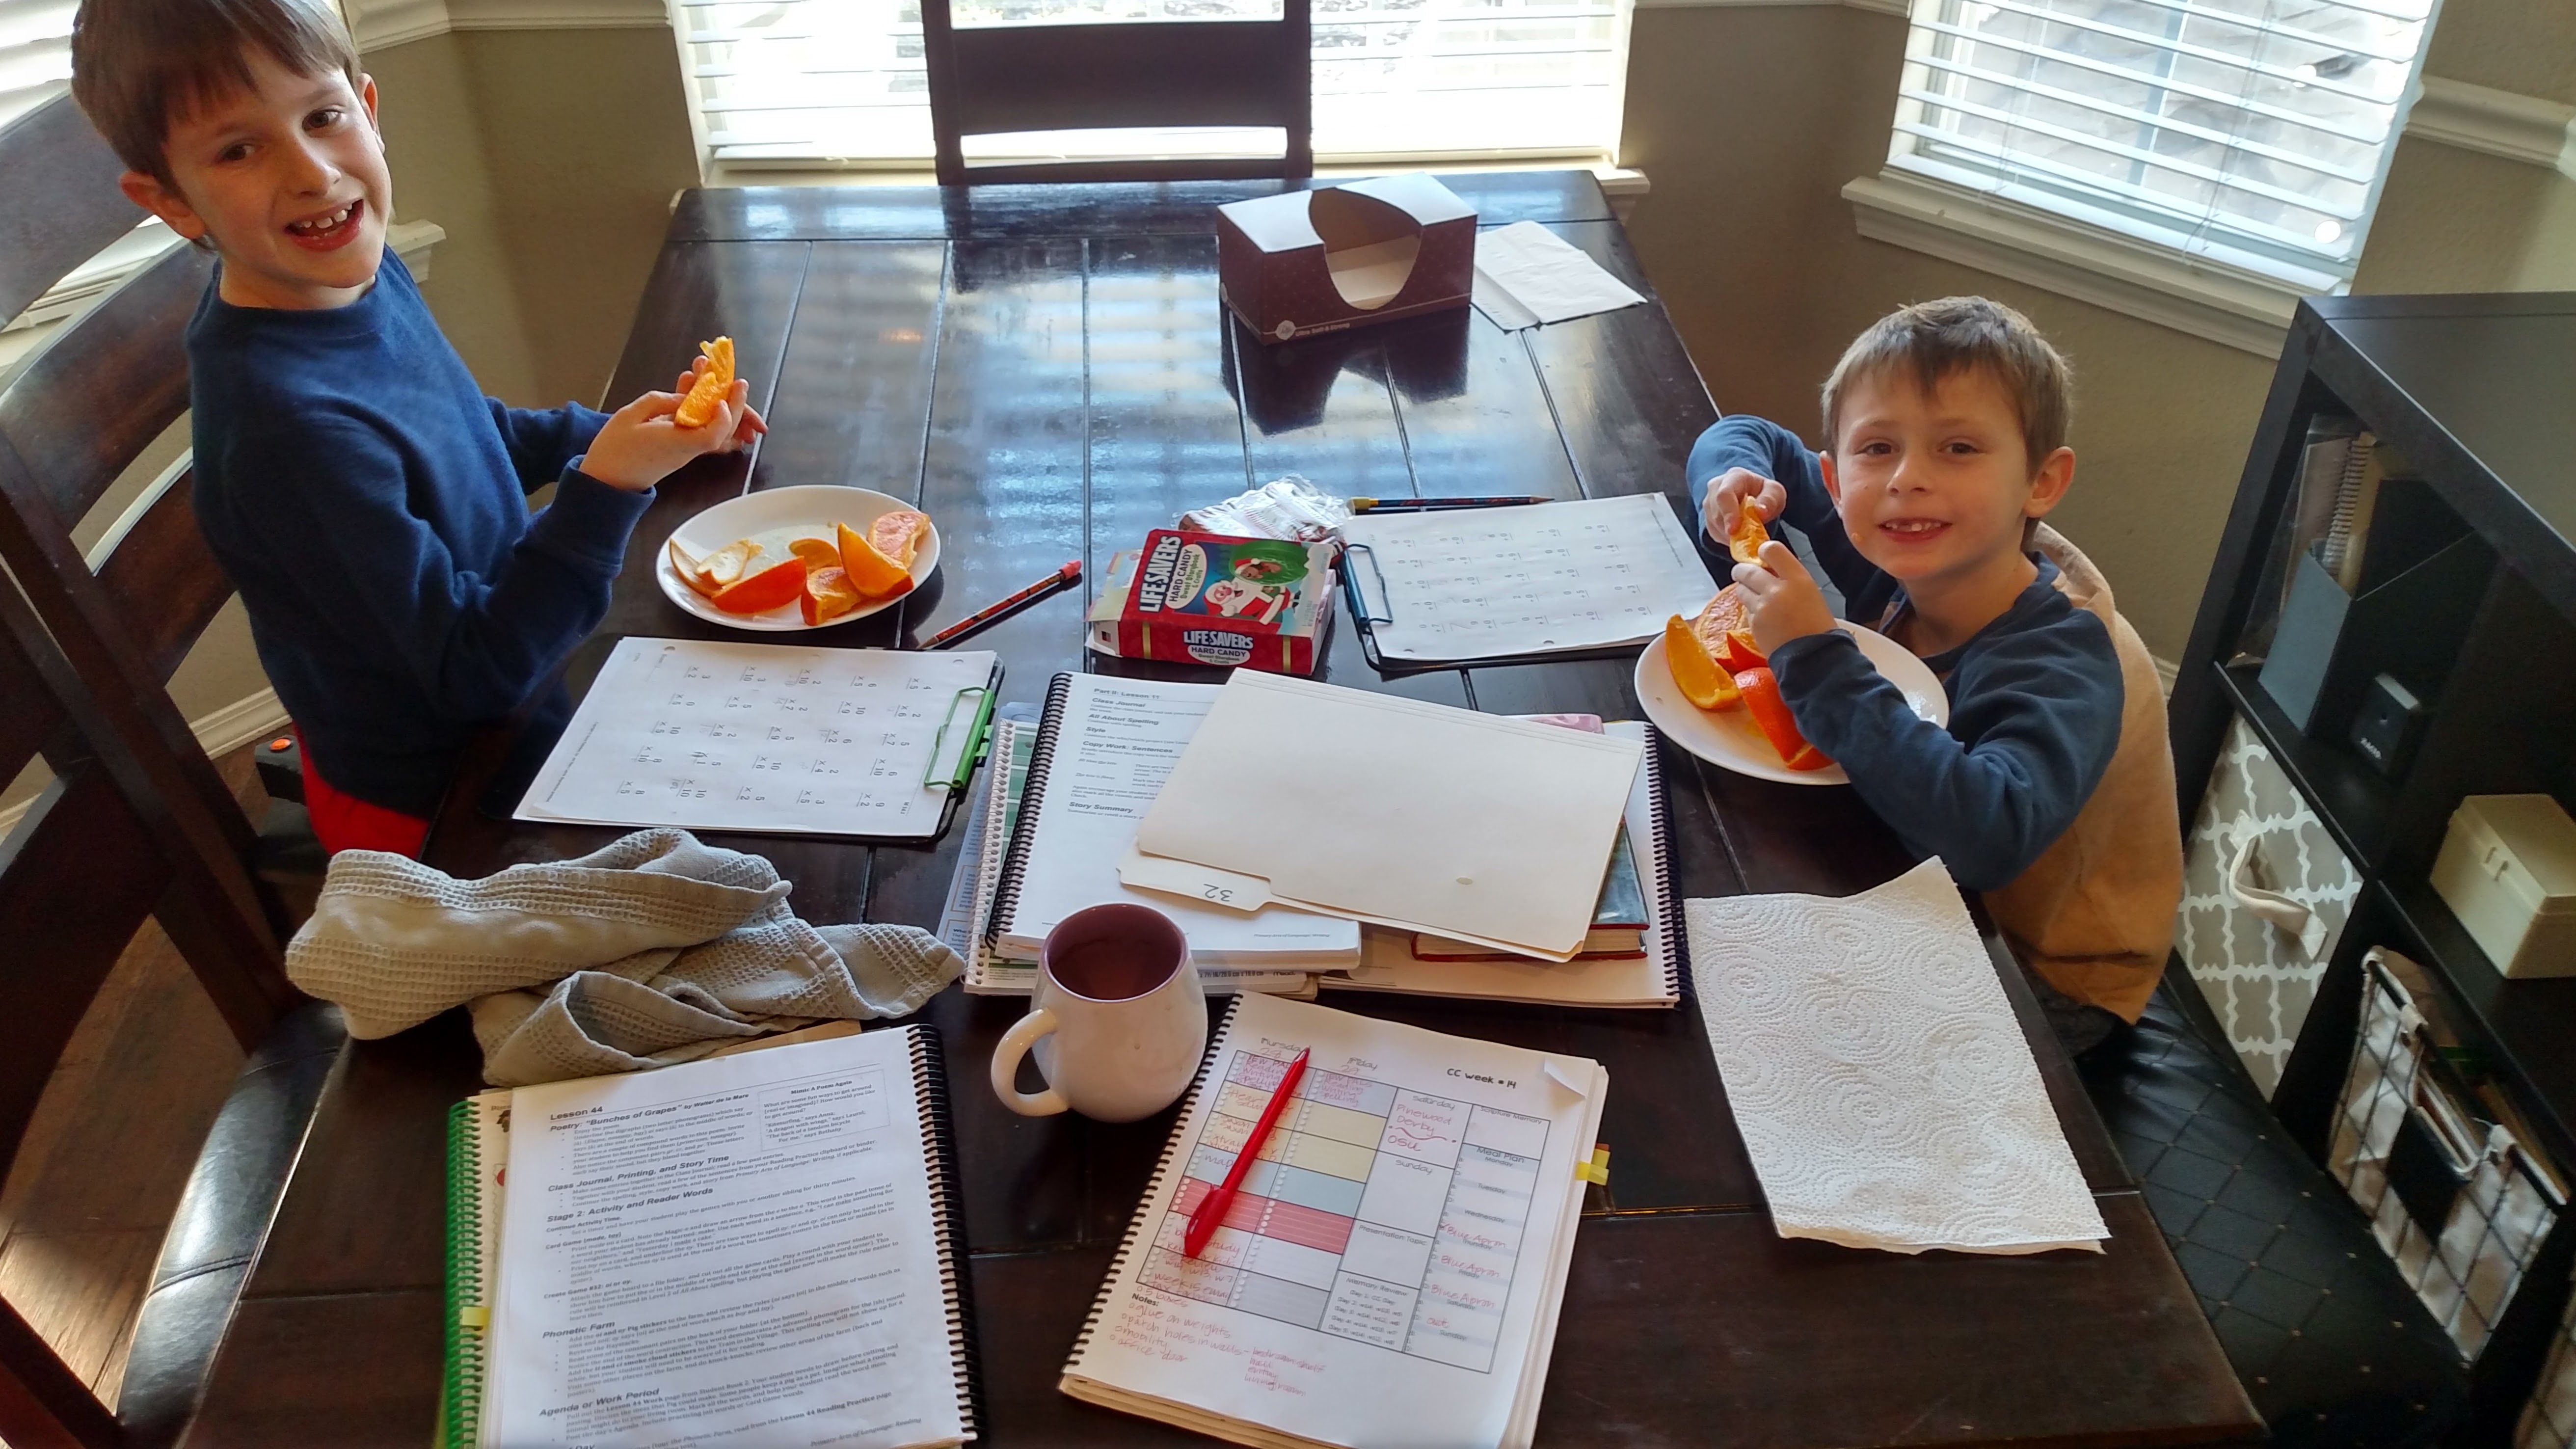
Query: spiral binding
{"x": 1006, "y": 893}
{"x": 461, "y": 1404}
{"x": 948, "y": 1215}
{"x": 1142, "y": 1225}
{"x": 1668, "y": 891}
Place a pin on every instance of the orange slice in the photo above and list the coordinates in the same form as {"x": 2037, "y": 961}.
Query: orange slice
{"x": 816, "y": 553}
{"x": 1746, "y": 538}
{"x": 778, "y": 584}
{"x": 898, "y": 534}
{"x": 1738, "y": 652}
{"x": 828, "y": 594}
{"x": 699, "y": 407}
{"x": 1700, "y": 680}
{"x": 873, "y": 574}
{"x": 1761, "y": 691}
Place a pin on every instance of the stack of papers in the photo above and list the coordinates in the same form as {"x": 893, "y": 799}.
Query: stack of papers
{"x": 1882, "y": 1084}
{"x": 1527, "y": 275}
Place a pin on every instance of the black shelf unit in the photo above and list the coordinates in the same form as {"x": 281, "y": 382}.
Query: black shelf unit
{"x": 2478, "y": 395}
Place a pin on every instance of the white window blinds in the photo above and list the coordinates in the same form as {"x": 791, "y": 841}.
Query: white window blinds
{"x": 842, "y": 81}
{"x": 2254, "y": 134}
{"x": 35, "y": 54}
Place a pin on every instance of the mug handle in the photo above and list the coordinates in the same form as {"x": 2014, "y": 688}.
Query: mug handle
{"x": 1014, "y": 1045}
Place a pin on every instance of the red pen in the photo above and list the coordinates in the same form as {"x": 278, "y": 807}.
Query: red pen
{"x": 1211, "y": 1209}
{"x": 996, "y": 612}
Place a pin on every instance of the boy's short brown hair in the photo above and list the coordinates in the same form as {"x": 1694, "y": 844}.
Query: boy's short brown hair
{"x": 1933, "y": 341}
{"x": 139, "y": 65}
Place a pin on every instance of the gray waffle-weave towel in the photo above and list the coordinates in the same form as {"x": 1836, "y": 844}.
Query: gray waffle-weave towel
{"x": 652, "y": 950}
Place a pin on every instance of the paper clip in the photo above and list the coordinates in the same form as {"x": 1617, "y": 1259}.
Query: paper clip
{"x": 975, "y": 731}
{"x": 1359, "y": 598}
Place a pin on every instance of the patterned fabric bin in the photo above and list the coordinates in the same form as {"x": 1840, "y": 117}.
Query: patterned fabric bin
{"x": 2456, "y": 1200}
{"x": 2549, "y": 1420}
{"x": 2264, "y": 895}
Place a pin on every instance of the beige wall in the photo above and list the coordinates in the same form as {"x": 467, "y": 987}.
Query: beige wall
{"x": 1750, "y": 119}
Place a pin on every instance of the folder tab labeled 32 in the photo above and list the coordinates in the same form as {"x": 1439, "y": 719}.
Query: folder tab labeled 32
{"x": 1411, "y": 815}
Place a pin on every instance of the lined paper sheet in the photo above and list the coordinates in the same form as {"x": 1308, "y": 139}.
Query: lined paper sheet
{"x": 1545, "y": 578}
{"x": 725, "y": 736}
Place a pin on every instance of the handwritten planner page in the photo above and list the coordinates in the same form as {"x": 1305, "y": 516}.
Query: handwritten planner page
{"x": 1542, "y": 578}
{"x": 766, "y": 737}
{"x": 1391, "y": 1269}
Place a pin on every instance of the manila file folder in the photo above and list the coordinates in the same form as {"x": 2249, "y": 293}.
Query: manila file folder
{"x": 1411, "y": 815}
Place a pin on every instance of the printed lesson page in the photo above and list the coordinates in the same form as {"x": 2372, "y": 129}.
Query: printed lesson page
{"x": 1117, "y": 743}
{"x": 724, "y": 736}
{"x": 1386, "y": 1274}
{"x": 738, "y": 1251}
{"x": 1486, "y": 583}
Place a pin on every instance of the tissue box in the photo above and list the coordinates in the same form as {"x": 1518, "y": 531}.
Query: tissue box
{"x": 2507, "y": 868}
{"x": 1304, "y": 262}
{"x": 1207, "y": 598}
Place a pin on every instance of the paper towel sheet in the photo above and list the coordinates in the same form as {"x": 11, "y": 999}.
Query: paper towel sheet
{"x": 1882, "y": 1085}
{"x": 1526, "y": 275}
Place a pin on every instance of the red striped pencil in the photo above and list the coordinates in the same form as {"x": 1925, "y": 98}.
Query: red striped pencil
{"x": 996, "y": 612}
{"x": 1210, "y": 1212}
{"x": 1418, "y": 505}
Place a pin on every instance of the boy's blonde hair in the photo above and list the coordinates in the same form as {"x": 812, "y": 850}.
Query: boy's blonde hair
{"x": 139, "y": 65}
{"x": 1933, "y": 341}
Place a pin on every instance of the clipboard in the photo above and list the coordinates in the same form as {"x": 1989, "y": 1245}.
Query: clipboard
{"x": 1684, "y": 586}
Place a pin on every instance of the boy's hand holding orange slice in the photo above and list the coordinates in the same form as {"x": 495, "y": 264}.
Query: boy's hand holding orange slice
{"x": 699, "y": 407}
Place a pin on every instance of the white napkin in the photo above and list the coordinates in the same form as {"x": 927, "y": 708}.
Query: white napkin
{"x": 1878, "y": 1076}
{"x": 1526, "y": 275}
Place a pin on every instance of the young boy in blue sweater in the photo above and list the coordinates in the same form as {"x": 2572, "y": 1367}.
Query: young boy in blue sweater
{"x": 2051, "y": 791}
{"x": 363, "y": 495}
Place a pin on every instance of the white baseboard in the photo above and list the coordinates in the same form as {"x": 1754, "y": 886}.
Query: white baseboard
{"x": 220, "y": 733}
{"x": 2166, "y": 672}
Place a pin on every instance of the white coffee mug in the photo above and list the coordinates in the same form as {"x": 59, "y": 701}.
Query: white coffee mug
{"x": 1118, "y": 1019}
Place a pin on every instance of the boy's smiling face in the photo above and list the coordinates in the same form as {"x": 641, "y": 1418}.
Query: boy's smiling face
{"x": 289, "y": 181}
{"x": 1934, "y": 488}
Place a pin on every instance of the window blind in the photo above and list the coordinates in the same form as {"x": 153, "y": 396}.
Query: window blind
{"x": 843, "y": 81}
{"x": 35, "y": 54}
{"x": 2251, "y": 133}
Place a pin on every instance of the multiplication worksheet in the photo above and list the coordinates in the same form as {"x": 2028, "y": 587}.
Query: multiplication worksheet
{"x": 766, "y": 737}
{"x": 1541, "y": 578}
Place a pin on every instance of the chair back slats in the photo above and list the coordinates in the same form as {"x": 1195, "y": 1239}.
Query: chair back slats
{"x": 79, "y": 842}
{"x": 159, "y": 577}
{"x": 43, "y": 1404}
{"x": 989, "y": 80}
{"x": 104, "y": 387}
{"x": 59, "y": 205}
{"x": 1206, "y": 73}
{"x": 214, "y": 911}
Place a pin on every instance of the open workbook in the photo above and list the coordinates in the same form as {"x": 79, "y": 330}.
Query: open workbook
{"x": 1391, "y": 1270}
{"x": 748, "y": 1250}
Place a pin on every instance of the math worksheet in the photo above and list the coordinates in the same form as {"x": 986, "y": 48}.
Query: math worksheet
{"x": 1544, "y": 578}
{"x": 767, "y": 737}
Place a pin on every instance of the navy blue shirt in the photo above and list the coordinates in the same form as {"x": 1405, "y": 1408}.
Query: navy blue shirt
{"x": 370, "y": 503}
{"x": 2035, "y": 697}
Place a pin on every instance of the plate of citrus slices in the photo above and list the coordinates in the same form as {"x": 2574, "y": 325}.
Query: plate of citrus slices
{"x": 798, "y": 558}
{"x": 1706, "y": 686}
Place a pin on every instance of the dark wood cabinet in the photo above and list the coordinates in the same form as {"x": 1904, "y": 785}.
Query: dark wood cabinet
{"x": 2476, "y": 395}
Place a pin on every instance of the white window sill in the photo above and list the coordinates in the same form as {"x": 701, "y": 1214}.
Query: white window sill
{"x": 1624, "y": 186}
{"x": 2132, "y": 277}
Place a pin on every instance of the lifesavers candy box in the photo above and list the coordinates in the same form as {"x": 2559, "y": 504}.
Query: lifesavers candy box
{"x": 1209, "y": 598}
{"x": 1302, "y": 262}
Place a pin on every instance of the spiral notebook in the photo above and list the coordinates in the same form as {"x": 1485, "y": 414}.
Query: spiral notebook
{"x": 1392, "y": 1268}
{"x": 754, "y": 1248}
{"x": 1104, "y": 747}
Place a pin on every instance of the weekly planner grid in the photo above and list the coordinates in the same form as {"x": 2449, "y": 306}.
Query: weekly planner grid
{"x": 764, "y": 737}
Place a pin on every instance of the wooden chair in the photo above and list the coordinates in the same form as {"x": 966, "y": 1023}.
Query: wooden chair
{"x": 1155, "y": 73}
{"x": 137, "y": 822}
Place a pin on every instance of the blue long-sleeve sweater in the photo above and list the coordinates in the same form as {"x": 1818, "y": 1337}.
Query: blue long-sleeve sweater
{"x": 2035, "y": 697}
{"x": 369, "y": 502}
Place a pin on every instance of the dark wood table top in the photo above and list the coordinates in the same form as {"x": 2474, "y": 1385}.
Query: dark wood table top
{"x": 1048, "y": 372}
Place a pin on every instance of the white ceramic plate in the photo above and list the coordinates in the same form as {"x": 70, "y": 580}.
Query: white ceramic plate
{"x": 1728, "y": 736}
{"x": 775, "y": 518}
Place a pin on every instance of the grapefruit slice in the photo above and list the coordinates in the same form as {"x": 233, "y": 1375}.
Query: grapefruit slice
{"x": 828, "y": 594}
{"x": 898, "y": 535}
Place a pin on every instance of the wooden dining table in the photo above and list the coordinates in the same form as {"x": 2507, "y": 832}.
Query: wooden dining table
{"x": 1047, "y": 371}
